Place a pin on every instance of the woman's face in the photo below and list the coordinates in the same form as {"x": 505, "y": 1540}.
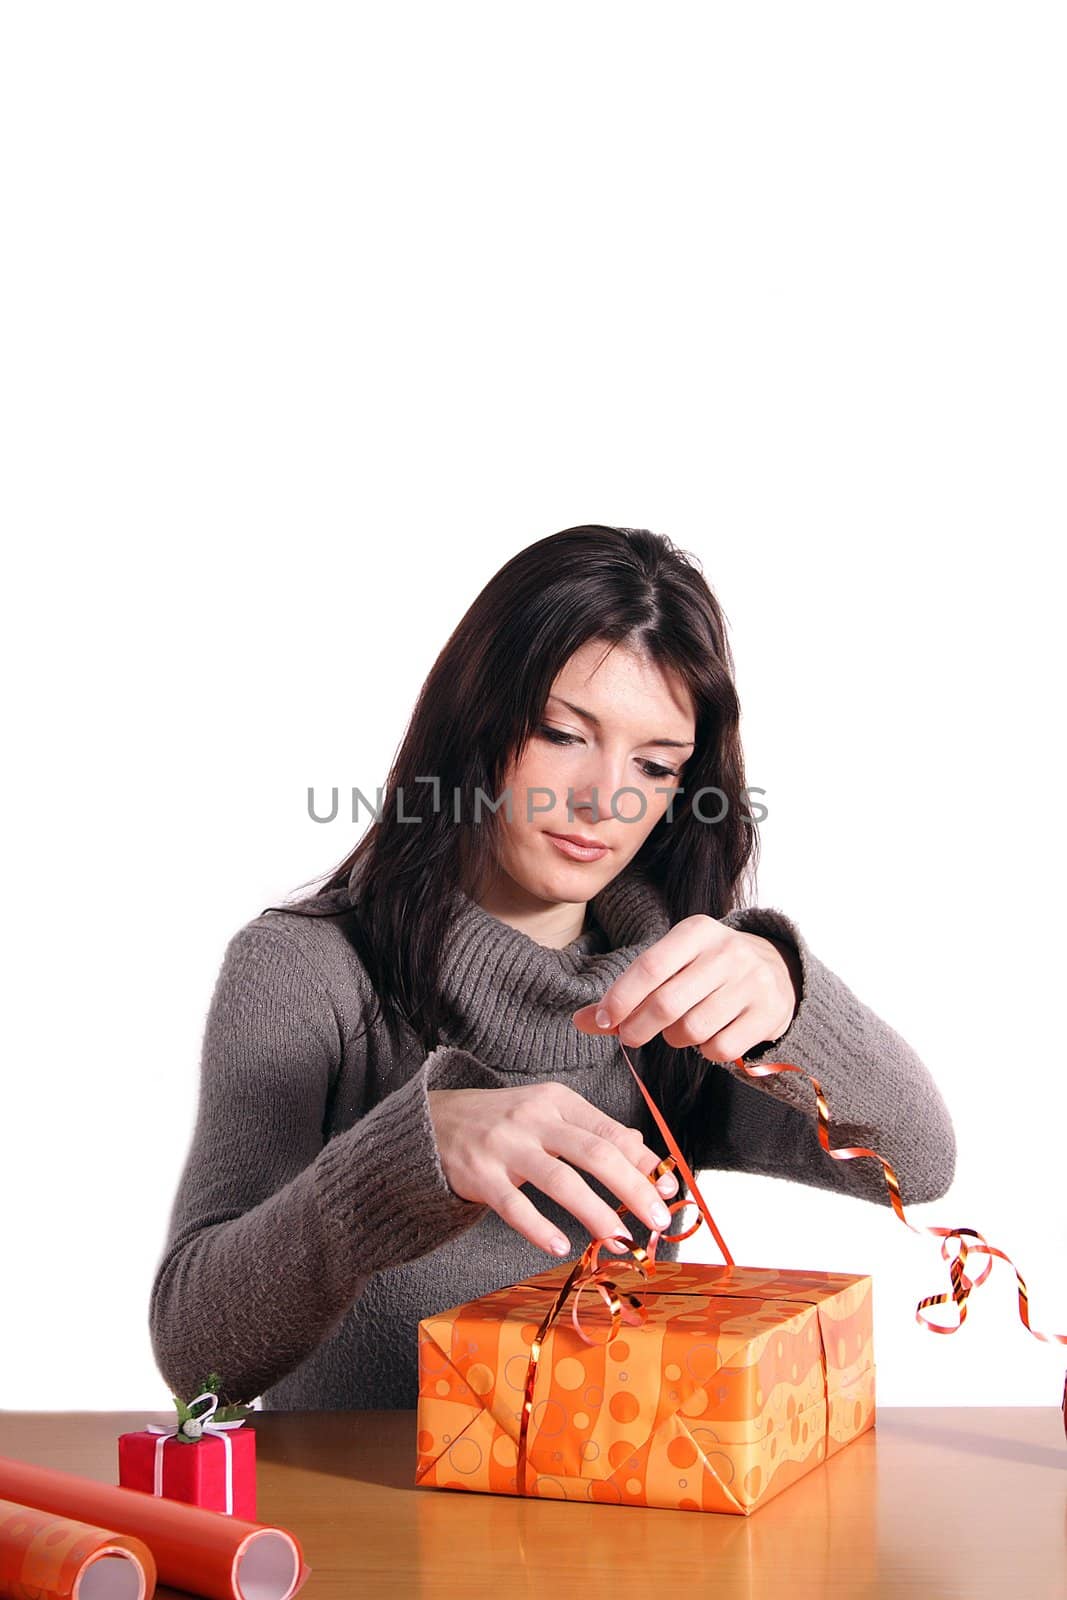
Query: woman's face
{"x": 616, "y": 734}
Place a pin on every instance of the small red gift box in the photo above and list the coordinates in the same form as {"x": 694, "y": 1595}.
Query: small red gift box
{"x": 218, "y": 1472}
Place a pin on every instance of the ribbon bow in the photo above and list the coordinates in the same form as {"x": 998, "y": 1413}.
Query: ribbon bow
{"x": 195, "y": 1428}
{"x": 587, "y": 1273}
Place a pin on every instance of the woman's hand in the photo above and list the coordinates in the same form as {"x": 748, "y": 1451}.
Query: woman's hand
{"x": 491, "y": 1141}
{"x": 705, "y": 986}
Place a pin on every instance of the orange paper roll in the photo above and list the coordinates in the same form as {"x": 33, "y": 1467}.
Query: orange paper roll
{"x": 205, "y": 1552}
{"x": 48, "y": 1557}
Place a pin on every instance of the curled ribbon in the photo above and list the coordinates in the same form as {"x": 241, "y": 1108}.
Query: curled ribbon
{"x": 587, "y": 1273}
{"x": 204, "y": 1425}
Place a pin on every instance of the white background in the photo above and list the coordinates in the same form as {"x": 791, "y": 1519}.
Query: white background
{"x": 313, "y": 316}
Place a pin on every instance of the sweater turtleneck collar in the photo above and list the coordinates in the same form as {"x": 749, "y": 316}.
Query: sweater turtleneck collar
{"x": 511, "y": 999}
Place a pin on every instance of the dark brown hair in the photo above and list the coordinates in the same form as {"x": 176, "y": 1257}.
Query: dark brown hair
{"x": 484, "y": 696}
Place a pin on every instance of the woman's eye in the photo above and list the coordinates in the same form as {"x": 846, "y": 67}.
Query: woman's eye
{"x": 651, "y": 768}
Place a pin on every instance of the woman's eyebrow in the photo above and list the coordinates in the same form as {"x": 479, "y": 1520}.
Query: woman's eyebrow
{"x": 579, "y": 711}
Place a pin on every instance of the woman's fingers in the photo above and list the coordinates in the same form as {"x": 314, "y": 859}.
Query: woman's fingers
{"x": 521, "y": 1214}
{"x": 570, "y": 1190}
{"x": 589, "y": 1120}
{"x": 607, "y": 1162}
{"x": 647, "y": 1161}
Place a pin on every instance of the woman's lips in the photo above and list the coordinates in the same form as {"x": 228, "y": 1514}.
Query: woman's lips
{"x": 578, "y": 852}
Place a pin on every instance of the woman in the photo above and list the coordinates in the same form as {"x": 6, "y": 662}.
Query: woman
{"x": 387, "y": 1062}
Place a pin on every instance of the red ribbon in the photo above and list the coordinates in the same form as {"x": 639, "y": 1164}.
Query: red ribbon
{"x": 586, "y": 1273}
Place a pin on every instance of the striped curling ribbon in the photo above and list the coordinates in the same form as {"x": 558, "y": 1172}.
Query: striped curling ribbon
{"x": 587, "y": 1274}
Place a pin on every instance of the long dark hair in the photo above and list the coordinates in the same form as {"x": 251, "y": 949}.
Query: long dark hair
{"x": 483, "y": 698}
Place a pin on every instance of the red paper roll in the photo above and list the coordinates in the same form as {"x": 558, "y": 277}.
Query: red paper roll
{"x": 48, "y": 1557}
{"x": 203, "y": 1551}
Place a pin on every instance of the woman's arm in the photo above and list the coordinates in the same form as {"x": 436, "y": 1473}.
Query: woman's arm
{"x": 273, "y": 1234}
{"x": 879, "y": 1093}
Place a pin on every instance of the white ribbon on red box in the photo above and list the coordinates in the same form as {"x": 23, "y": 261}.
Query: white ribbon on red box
{"x": 192, "y": 1428}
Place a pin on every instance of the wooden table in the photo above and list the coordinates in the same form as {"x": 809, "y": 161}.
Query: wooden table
{"x": 962, "y": 1502}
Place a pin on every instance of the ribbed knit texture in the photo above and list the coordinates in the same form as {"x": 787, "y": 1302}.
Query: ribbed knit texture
{"x": 313, "y": 1225}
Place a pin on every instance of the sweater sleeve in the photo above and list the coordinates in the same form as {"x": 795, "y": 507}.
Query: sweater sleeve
{"x": 879, "y": 1094}
{"x": 273, "y": 1232}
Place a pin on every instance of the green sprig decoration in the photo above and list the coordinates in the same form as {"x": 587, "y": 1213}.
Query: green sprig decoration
{"x": 190, "y": 1424}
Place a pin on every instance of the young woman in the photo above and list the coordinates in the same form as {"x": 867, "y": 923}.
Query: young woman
{"x": 407, "y": 1095}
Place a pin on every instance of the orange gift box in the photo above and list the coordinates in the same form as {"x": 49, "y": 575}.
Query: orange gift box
{"x": 738, "y": 1381}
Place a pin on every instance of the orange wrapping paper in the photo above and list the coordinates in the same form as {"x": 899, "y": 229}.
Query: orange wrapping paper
{"x": 206, "y": 1552}
{"x": 739, "y": 1381}
{"x": 47, "y": 1557}
{"x": 702, "y": 1393}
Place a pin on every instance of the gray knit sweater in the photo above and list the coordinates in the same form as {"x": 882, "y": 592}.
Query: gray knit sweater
{"x": 313, "y": 1225}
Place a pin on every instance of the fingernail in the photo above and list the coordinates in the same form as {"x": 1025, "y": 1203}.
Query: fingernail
{"x": 560, "y": 1246}
{"x": 603, "y": 1018}
{"x": 660, "y": 1216}
{"x": 617, "y": 1246}
{"x": 668, "y": 1184}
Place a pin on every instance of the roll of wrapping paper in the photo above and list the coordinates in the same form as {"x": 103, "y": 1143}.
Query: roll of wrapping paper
{"x": 588, "y": 1273}
{"x": 47, "y": 1557}
{"x": 205, "y": 1552}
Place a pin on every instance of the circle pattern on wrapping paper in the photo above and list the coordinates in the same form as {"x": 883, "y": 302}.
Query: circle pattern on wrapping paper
{"x": 706, "y": 1440}
{"x": 505, "y": 1450}
{"x": 481, "y": 1378}
{"x": 515, "y": 1370}
{"x": 590, "y": 1450}
{"x": 550, "y": 1489}
{"x": 593, "y": 1396}
{"x": 549, "y": 1418}
{"x": 672, "y": 1372}
{"x": 702, "y": 1360}
{"x": 569, "y": 1372}
{"x": 580, "y": 1419}
{"x": 681, "y": 1452}
{"x": 604, "y": 1492}
{"x": 624, "y": 1407}
{"x": 433, "y": 1358}
{"x": 695, "y": 1404}
{"x": 721, "y": 1465}
{"x": 465, "y": 1456}
{"x": 618, "y": 1350}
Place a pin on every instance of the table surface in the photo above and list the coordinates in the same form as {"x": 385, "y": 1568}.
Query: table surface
{"x": 956, "y": 1501}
